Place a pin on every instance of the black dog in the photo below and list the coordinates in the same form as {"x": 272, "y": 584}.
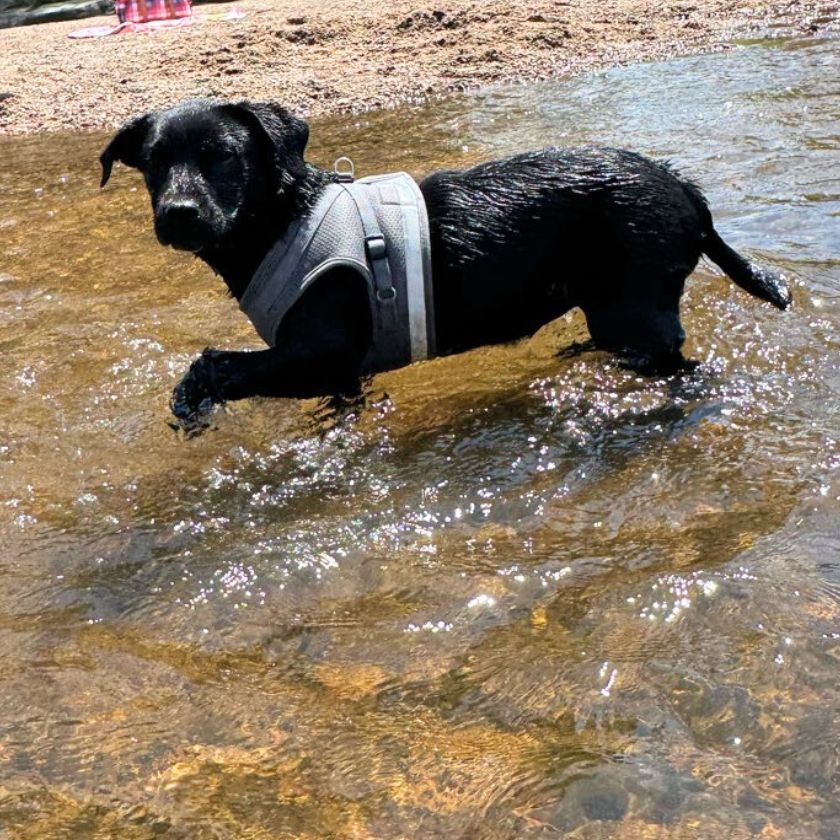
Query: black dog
{"x": 515, "y": 244}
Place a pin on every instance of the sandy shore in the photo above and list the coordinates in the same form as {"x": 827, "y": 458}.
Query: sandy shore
{"x": 320, "y": 56}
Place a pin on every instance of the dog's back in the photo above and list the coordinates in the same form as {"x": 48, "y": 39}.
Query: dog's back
{"x": 519, "y": 241}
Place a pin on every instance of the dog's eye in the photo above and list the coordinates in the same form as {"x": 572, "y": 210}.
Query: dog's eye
{"x": 225, "y": 156}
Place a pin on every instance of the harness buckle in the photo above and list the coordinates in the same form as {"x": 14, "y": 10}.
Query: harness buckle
{"x": 375, "y": 246}
{"x": 345, "y": 170}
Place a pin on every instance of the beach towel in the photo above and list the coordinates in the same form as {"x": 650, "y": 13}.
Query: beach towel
{"x": 144, "y": 11}
{"x": 152, "y": 25}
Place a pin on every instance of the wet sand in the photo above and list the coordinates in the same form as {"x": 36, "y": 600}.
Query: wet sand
{"x": 329, "y": 56}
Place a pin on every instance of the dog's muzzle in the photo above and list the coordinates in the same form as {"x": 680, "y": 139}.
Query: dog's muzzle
{"x": 181, "y": 225}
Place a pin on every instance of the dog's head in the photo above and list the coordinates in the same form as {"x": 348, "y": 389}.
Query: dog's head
{"x": 211, "y": 167}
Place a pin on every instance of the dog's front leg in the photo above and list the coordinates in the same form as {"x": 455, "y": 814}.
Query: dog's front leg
{"x": 218, "y": 376}
{"x": 320, "y": 352}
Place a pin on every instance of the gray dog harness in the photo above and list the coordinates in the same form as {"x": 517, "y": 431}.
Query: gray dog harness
{"x": 377, "y": 226}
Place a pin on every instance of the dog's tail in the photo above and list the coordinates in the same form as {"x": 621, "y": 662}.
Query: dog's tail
{"x": 761, "y": 282}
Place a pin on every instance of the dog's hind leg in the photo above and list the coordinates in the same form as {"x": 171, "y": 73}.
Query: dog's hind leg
{"x": 643, "y": 328}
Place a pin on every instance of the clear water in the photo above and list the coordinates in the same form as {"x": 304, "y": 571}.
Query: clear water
{"x": 520, "y": 595}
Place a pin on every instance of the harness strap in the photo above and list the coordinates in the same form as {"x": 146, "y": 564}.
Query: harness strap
{"x": 377, "y": 254}
{"x": 418, "y": 269}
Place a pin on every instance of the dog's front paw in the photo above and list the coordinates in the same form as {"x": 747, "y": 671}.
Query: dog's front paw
{"x": 198, "y": 391}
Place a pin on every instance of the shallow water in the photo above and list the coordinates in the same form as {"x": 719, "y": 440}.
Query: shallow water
{"x": 519, "y": 595}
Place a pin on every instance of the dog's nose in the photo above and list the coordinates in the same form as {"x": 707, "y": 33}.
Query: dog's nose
{"x": 181, "y": 215}
{"x": 179, "y": 224}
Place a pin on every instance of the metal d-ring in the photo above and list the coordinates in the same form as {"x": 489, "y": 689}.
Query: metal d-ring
{"x": 344, "y": 169}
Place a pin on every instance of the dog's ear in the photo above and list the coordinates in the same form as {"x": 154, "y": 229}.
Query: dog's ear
{"x": 126, "y": 146}
{"x": 286, "y": 133}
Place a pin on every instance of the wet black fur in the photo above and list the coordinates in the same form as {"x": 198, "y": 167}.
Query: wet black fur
{"x": 515, "y": 243}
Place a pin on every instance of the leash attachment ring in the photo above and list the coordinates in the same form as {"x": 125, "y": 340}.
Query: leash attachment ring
{"x": 344, "y": 169}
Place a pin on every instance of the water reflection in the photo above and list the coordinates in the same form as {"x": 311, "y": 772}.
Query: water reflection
{"x": 517, "y": 593}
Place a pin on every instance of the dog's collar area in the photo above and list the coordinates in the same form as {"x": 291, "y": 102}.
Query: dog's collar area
{"x": 377, "y": 226}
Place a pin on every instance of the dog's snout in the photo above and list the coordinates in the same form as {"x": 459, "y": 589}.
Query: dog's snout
{"x": 179, "y": 223}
